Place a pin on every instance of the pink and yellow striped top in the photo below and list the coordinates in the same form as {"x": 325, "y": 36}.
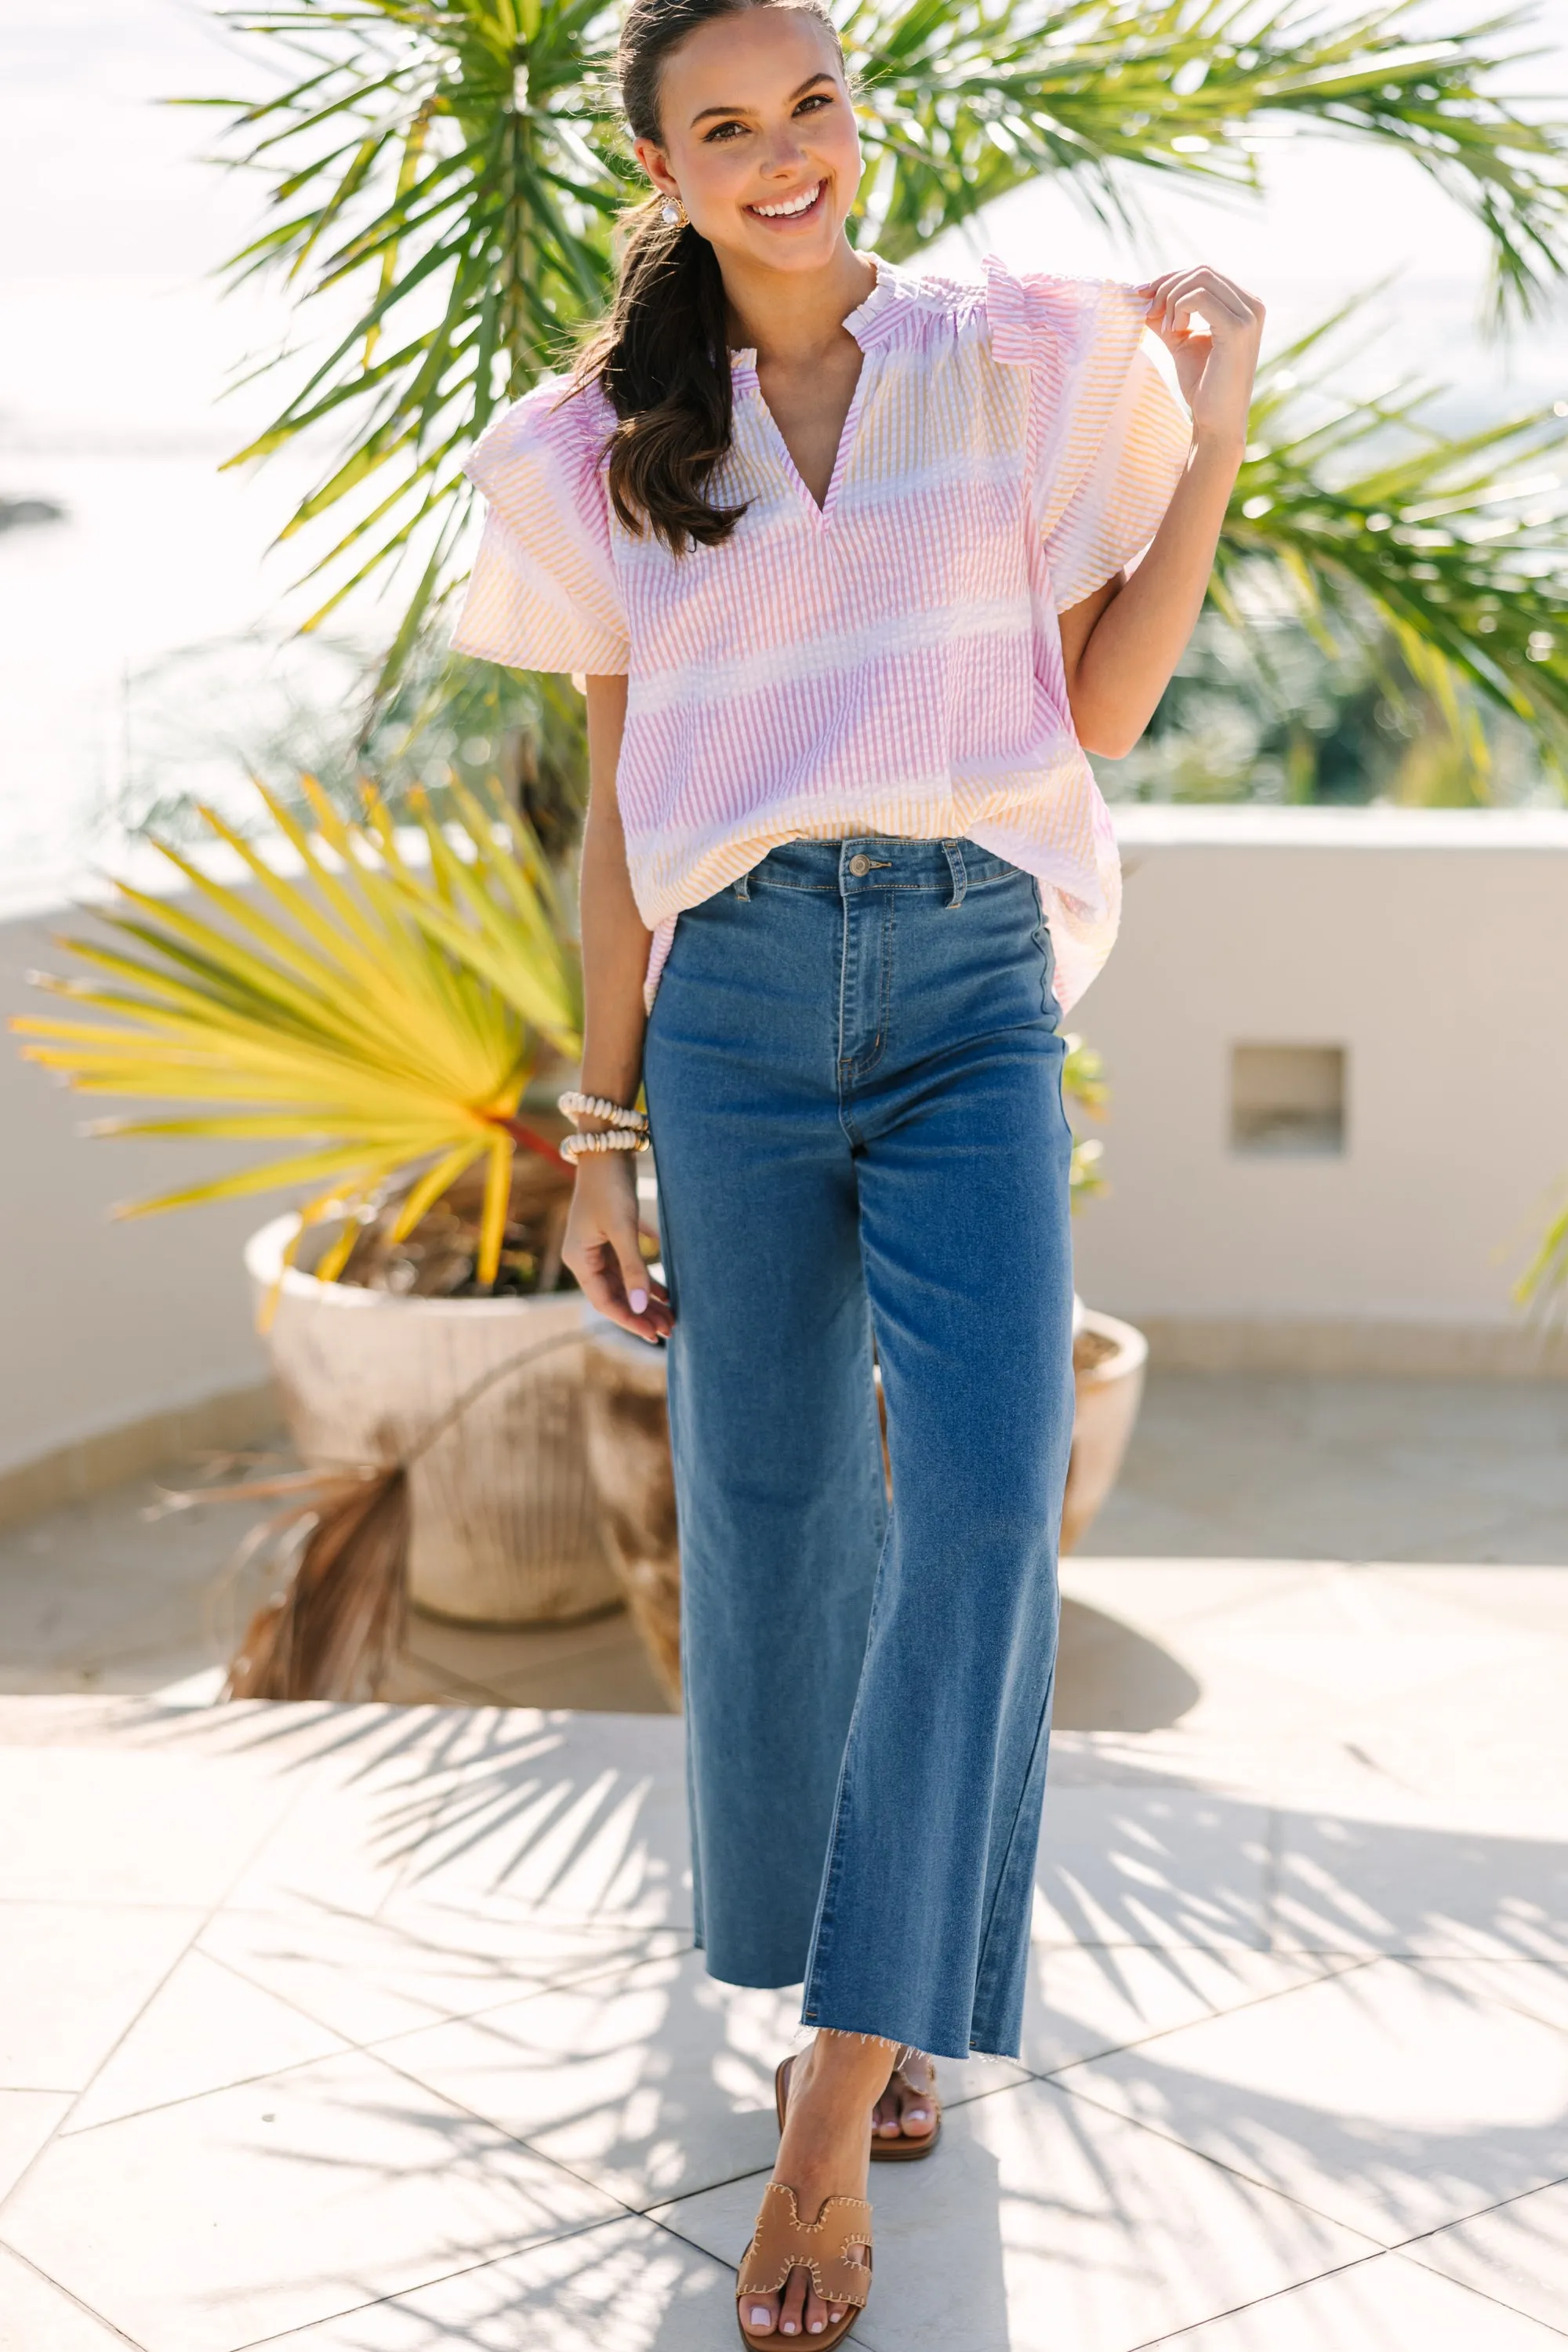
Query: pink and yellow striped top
{"x": 887, "y": 663}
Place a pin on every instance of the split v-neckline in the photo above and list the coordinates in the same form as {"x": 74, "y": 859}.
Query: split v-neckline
{"x": 746, "y": 379}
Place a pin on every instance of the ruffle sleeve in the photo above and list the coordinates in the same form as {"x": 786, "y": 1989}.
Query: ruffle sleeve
{"x": 543, "y": 593}
{"x": 1113, "y": 438}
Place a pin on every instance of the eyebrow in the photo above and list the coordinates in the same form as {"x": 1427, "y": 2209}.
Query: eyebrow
{"x": 810, "y": 83}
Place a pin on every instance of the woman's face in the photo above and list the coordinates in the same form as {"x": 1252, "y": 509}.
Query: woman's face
{"x": 760, "y": 143}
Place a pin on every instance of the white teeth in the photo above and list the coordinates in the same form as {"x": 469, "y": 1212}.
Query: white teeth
{"x": 795, "y": 204}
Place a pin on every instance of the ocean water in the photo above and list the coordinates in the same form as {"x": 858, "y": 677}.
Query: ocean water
{"x": 145, "y": 638}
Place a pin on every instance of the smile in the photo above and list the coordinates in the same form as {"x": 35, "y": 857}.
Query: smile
{"x": 792, "y": 208}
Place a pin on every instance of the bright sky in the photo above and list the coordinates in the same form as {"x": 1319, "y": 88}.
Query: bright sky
{"x": 114, "y": 348}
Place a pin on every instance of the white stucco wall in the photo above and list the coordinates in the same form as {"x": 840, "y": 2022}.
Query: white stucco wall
{"x": 1434, "y": 948}
{"x": 102, "y": 1323}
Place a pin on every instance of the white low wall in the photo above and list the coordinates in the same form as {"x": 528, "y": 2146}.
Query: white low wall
{"x": 137, "y": 1331}
{"x": 1432, "y": 948}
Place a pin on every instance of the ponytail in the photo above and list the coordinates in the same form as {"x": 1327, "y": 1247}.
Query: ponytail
{"x": 663, "y": 361}
{"x": 662, "y": 356}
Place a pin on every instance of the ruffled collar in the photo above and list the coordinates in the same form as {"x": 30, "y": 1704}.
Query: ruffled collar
{"x": 895, "y": 292}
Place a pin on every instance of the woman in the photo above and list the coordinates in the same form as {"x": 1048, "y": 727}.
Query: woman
{"x": 842, "y": 551}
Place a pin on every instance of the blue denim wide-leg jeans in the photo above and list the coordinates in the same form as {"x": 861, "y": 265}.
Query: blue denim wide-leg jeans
{"x": 854, "y": 1083}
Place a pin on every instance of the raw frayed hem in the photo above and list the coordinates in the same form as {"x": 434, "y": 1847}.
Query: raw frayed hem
{"x": 804, "y": 2035}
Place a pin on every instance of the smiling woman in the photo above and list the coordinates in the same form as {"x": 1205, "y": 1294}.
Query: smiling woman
{"x": 767, "y": 163}
{"x": 842, "y": 550}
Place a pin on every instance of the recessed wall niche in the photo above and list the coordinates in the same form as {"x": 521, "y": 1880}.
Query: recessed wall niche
{"x": 1287, "y": 1102}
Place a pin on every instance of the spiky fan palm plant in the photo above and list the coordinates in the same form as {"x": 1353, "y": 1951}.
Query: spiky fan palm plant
{"x": 383, "y": 1016}
{"x": 451, "y": 170}
{"x": 1455, "y": 547}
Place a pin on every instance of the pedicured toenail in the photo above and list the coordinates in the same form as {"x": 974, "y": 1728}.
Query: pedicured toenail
{"x": 758, "y": 2319}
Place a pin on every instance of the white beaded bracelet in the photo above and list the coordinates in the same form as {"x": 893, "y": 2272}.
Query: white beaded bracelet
{"x": 605, "y": 1139}
{"x": 615, "y": 1115}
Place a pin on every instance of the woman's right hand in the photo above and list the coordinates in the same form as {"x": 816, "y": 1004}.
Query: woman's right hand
{"x": 603, "y": 1250}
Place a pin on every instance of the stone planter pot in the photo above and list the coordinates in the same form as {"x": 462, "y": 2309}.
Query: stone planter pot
{"x": 628, "y": 1450}
{"x": 505, "y": 1522}
{"x": 1110, "y": 1359}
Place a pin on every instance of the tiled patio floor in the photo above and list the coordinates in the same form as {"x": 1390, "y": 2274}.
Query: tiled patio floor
{"x": 378, "y": 2029}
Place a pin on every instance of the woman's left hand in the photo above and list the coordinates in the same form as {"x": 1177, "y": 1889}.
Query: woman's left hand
{"x": 1215, "y": 370}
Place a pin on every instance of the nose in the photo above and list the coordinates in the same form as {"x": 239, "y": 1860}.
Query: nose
{"x": 784, "y": 153}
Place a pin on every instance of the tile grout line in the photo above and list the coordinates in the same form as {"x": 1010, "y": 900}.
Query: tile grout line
{"x": 230, "y": 1884}
{"x": 1423, "y": 1962}
{"x": 1272, "y": 2188}
{"x": 1468, "y": 2286}
{"x": 346, "y": 2047}
{"x": 515, "y": 2138}
{"x": 1500, "y": 2206}
{"x": 71, "y": 2294}
{"x": 466, "y": 2270}
{"x": 1349, "y": 1965}
{"x": 1275, "y": 2295}
{"x": 1338, "y": 2270}
{"x": 1267, "y": 2188}
{"x": 484, "y": 1694}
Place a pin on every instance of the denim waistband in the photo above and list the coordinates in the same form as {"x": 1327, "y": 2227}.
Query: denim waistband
{"x": 874, "y": 861}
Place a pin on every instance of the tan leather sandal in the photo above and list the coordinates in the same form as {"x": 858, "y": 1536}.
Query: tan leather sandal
{"x": 783, "y": 2242}
{"x": 910, "y": 2147}
{"x": 907, "y": 2149}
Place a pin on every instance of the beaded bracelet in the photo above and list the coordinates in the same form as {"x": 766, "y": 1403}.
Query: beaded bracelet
{"x": 615, "y": 1115}
{"x": 605, "y": 1139}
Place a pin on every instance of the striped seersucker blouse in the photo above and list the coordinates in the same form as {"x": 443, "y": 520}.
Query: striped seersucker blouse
{"x": 889, "y": 663}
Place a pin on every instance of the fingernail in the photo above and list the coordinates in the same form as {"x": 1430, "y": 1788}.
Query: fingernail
{"x": 639, "y": 1301}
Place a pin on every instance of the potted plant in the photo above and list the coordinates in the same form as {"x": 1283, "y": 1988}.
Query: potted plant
{"x": 381, "y": 1003}
{"x": 1109, "y": 1357}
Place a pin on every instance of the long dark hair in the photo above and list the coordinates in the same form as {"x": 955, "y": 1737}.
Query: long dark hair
{"x": 662, "y": 356}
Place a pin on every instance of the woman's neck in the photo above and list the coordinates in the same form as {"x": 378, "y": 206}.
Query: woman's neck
{"x": 790, "y": 315}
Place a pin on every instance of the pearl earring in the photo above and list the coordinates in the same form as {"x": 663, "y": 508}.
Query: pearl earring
{"x": 673, "y": 215}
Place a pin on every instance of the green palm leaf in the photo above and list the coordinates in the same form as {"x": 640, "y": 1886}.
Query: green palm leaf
{"x": 1364, "y": 513}
{"x": 966, "y": 104}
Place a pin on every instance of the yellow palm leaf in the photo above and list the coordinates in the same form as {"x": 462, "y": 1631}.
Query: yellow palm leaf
{"x": 380, "y": 1012}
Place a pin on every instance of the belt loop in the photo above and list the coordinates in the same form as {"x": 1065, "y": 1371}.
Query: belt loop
{"x": 743, "y": 887}
{"x": 954, "y": 854}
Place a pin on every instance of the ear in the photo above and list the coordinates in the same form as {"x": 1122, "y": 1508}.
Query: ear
{"x": 655, "y": 164}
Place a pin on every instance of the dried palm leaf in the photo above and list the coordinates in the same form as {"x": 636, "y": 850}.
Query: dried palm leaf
{"x": 334, "y": 1623}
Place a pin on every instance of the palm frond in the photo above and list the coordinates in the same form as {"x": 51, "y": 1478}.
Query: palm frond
{"x": 1454, "y": 546}
{"x": 965, "y": 105}
{"x": 381, "y": 1015}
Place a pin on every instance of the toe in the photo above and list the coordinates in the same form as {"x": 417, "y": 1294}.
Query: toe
{"x": 792, "y": 2312}
{"x": 917, "y": 2116}
{"x": 759, "y": 2314}
{"x": 885, "y": 2116}
{"x": 816, "y": 2314}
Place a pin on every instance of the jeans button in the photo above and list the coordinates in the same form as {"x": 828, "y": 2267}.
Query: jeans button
{"x": 859, "y": 864}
